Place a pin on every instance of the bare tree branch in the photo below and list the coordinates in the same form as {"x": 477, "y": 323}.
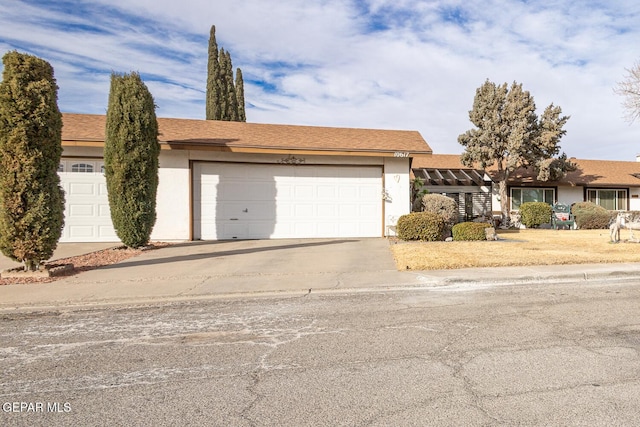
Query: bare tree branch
{"x": 630, "y": 89}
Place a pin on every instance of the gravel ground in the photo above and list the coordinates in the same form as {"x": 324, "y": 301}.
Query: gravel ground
{"x": 85, "y": 262}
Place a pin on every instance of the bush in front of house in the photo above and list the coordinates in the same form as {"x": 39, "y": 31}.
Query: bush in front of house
{"x": 533, "y": 214}
{"x": 441, "y": 205}
{"x": 590, "y": 216}
{"x": 470, "y": 231}
{"x": 31, "y": 198}
{"x": 420, "y": 226}
{"x": 131, "y": 153}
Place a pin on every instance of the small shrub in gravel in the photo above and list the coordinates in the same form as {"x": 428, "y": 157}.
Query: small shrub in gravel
{"x": 470, "y": 231}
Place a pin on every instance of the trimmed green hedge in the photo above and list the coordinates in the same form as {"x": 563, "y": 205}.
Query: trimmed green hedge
{"x": 533, "y": 214}
{"x": 420, "y": 226}
{"x": 470, "y": 231}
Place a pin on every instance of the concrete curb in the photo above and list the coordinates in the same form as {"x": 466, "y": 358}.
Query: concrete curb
{"x": 417, "y": 282}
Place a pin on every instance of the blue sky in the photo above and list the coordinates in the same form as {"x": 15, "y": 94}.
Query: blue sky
{"x": 390, "y": 64}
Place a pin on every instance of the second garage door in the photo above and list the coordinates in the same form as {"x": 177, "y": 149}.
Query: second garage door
{"x": 249, "y": 201}
{"x": 87, "y": 214}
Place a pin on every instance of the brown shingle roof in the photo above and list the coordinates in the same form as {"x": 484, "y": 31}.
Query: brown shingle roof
{"x": 439, "y": 161}
{"x": 183, "y": 133}
{"x": 592, "y": 173}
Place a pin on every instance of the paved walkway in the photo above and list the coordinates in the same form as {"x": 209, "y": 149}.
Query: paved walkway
{"x": 197, "y": 270}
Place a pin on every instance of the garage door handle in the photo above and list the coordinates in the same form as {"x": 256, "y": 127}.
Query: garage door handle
{"x": 233, "y": 219}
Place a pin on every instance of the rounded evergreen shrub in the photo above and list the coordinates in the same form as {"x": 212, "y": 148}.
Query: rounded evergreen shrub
{"x": 470, "y": 231}
{"x": 590, "y": 216}
{"x": 444, "y": 206}
{"x": 533, "y": 214}
{"x": 420, "y": 226}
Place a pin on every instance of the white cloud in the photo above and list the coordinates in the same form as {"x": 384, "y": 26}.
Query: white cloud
{"x": 405, "y": 64}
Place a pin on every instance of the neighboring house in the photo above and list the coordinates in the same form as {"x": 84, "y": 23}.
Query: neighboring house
{"x": 232, "y": 180}
{"x": 614, "y": 185}
{"x": 470, "y": 188}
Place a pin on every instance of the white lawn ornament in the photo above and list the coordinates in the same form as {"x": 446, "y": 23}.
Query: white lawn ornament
{"x": 631, "y": 225}
{"x": 614, "y": 228}
{"x": 623, "y": 221}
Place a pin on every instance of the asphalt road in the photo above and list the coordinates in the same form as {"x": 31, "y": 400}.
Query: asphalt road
{"x": 543, "y": 354}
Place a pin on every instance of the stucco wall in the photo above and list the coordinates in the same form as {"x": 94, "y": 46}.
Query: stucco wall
{"x": 173, "y": 198}
{"x": 634, "y": 203}
{"x": 569, "y": 195}
{"x": 397, "y": 191}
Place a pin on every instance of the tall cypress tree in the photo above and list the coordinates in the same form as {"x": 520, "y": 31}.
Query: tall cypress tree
{"x": 213, "y": 73}
{"x": 223, "y": 87}
{"x": 224, "y": 100}
{"x": 31, "y": 199}
{"x": 242, "y": 117}
{"x": 231, "y": 113}
{"x": 131, "y": 159}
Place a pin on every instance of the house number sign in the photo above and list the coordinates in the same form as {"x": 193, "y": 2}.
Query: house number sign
{"x": 401, "y": 154}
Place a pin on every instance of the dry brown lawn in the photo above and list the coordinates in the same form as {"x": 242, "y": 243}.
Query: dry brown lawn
{"x": 518, "y": 247}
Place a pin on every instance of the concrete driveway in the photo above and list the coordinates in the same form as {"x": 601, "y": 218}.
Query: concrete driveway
{"x": 200, "y": 269}
{"x": 236, "y": 260}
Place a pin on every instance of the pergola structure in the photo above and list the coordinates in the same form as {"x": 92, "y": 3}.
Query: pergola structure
{"x": 460, "y": 177}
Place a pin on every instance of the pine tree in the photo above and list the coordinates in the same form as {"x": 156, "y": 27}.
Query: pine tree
{"x": 242, "y": 117}
{"x": 509, "y": 134}
{"x": 224, "y": 100}
{"x": 31, "y": 199}
{"x": 131, "y": 159}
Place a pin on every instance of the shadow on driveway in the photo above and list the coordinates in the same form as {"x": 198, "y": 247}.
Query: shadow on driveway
{"x": 183, "y": 251}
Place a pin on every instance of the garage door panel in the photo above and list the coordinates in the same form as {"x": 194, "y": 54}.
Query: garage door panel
{"x": 246, "y": 211}
{"x": 82, "y": 189}
{"x": 325, "y": 191}
{"x": 81, "y": 210}
{"x": 81, "y": 231}
{"x": 280, "y": 201}
{"x": 327, "y": 211}
{"x": 302, "y": 192}
{"x": 108, "y": 233}
{"x": 104, "y": 211}
{"x": 304, "y": 211}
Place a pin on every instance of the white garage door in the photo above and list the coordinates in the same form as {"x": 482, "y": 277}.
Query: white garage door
{"x": 87, "y": 215}
{"x": 249, "y": 201}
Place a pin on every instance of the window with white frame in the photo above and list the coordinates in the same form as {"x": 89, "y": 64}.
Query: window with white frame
{"x": 611, "y": 199}
{"x": 522, "y": 195}
{"x": 82, "y": 167}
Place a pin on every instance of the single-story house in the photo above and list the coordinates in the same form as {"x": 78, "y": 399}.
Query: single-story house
{"x": 614, "y": 185}
{"x": 230, "y": 180}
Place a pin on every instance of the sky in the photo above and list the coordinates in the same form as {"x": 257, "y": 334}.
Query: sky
{"x": 381, "y": 64}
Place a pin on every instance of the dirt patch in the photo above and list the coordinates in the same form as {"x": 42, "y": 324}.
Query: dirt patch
{"x": 85, "y": 262}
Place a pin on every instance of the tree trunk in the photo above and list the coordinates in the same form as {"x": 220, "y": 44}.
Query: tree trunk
{"x": 31, "y": 265}
{"x": 504, "y": 200}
